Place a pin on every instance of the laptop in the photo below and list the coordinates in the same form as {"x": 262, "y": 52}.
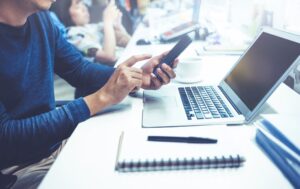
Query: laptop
{"x": 238, "y": 97}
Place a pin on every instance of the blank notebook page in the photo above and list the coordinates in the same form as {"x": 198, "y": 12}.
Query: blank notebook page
{"x": 136, "y": 147}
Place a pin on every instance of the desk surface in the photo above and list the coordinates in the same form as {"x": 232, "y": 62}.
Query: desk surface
{"x": 88, "y": 159}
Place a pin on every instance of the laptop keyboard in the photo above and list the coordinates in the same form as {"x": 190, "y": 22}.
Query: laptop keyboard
{"x": 203, "y": 103}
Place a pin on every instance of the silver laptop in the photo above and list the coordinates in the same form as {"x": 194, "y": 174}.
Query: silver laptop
{"x": 238, "y": 97}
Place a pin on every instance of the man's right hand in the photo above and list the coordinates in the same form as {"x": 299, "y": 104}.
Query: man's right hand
{"x": 123, "y": 80}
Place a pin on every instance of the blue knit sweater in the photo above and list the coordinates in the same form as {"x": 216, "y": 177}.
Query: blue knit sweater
{"x": 30, "y": 125}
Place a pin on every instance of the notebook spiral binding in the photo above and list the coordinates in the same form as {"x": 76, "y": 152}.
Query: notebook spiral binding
{"x": 180, "y": 164}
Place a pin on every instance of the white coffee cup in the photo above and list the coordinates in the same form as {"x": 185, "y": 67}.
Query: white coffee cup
{"x": 189, "y": 70}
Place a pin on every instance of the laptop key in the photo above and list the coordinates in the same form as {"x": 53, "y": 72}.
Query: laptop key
{"x": 197, "y": 111}
{"x": 216, "y": 116}
{"x": 224, "y": 115}
{"x": 199, "y": 115}
{"x": 207, "y": 116}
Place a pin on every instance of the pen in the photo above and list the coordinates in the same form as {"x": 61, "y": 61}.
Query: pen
{"x": 119, "y": 149}
{"x": 199, "y": 140}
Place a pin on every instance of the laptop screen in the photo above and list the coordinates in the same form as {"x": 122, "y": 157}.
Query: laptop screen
{"x": 259, "y": 69}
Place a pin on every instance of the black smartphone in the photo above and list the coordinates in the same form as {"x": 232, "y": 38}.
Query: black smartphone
{"x": 183, "y": 43}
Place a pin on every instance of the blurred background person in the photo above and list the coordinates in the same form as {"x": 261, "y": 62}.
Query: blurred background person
{"x": 130, "y": 10}
{"x": 103, "y": 41}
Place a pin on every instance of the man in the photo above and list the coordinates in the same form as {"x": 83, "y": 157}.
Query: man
{"x": 31, "y": 50}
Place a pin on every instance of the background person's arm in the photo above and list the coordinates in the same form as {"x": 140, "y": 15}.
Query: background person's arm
{"x": 122, "y": 37}
{"x": 109, "y": 39}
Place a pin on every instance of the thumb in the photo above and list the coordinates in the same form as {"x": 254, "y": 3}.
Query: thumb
{"x": 136, "y": 58}
{"x": 163, "y": 54}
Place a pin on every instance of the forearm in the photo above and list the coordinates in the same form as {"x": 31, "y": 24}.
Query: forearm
{"x": 24, "y": 139}
{"x": 104, "y": 58}
{"x": 122, "y": 36}
{"x": 96, "y": 102}
{"x": 109, "y": 42}
{"x": 123, "y": 40}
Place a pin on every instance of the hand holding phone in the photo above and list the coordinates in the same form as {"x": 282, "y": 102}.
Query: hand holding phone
{"x": 184, "y": 42}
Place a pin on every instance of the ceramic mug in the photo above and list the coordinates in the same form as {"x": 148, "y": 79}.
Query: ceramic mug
{"x": 189, "y": 70}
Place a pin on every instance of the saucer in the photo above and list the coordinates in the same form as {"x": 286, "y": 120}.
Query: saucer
{"x": 187, "y": 80}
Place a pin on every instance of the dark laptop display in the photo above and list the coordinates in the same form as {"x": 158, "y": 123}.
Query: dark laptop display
{"x": 262, "y": 66}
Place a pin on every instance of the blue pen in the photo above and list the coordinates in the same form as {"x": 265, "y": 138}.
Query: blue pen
{"x": 276, "y": 155}
{"x": 182, "y": 139}
{"x": 277, "y": 134}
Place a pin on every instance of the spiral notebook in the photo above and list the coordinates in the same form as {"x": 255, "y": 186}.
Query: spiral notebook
{"x": 136, "y": 154}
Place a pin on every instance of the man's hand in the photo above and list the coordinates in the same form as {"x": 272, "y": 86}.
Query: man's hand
{"x": 123, "y": 80}
{"x": 149, "y": 80}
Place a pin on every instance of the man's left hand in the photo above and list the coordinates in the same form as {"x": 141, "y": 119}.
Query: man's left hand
{"x": 149, "y": 80}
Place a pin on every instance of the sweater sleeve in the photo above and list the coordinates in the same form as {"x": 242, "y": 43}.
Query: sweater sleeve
{"x": 23, "y": 139}
{"x": 26, "y": 139}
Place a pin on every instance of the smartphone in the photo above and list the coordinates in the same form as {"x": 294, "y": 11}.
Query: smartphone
{"x": 183, "y": 43}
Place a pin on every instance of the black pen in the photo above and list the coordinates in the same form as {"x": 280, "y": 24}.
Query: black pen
{"x": 199, "y": 140}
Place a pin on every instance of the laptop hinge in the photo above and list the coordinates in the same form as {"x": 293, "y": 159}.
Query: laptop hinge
{"x": 230, "y": 101}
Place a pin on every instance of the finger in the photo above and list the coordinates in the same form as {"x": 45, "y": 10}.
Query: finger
{"x": 169, "y": 71}
{"x": 164, "y": 77}
{"x": 156, "y": 82}
{"x": 126, "y": 69}
{"x": 175, "y": 63}
{"x": 134, "y": 59}
{"x": 136, "y": 83}
{"x": 136, "y": 75}
{"x": 132, "y": 73}
{"x": 135, "y": 89}
{"x": 159, "y": 57}
{"x": 155, "y": 61}
{"x": 165, "y": 53}
{"x": 137, "y": 70}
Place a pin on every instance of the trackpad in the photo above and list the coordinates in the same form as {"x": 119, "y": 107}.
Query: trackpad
{"x": 160, "y": 109}
{"x": 161, "y": 102}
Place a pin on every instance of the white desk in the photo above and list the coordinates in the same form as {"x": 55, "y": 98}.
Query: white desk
{"x": 88, "y": 159}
